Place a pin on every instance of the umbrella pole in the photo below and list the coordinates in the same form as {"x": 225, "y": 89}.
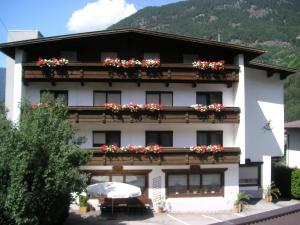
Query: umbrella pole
{"x": 112, "y": 206}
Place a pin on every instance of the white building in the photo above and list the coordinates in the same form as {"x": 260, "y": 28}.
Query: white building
{"x": 293, "y": 144}
{"x": 250, "y": 127}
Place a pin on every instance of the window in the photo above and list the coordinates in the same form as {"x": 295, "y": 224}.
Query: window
{"x": 105, "y": 55}
{"x": 69, "y": 55}
{"x": 102, "y": 97}
{"x": 209, "y": 137}
{"x": 207, "y": 98}
{"x": 191, "y": 183}
{"x": 190, "y": 58}
{"x": 106, "y": 137}
{"x": 159, "y": 97}
{"x": 151, "y": 55}
{"x": 249, "y": 175}
{"x": 162, "y": 138}
{"x": 56, "y": 94}
{"x": 139, "y": 180}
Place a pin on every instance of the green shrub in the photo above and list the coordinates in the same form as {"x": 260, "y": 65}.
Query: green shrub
{"x": 295, "y": 183}
{"x": 39, "y": 166}
{"x": 281, "y": 175}
{"x": 83, "y": 201}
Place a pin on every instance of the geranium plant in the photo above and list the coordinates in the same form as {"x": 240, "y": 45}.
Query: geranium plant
{"x": 205, "y": 65}
{"x": 202, "y": 149}
{"x": 215, "y": 107}
{"x": 132, "y": 107}
{"x": 155, "y": 149}
{"x": 152, "y": 107}
{"x": 110, "y": 149}
{"x": 113, "y": 107}
{"x": 122, "y": 63}
{"x": 52, "y": 62}
{"x": 151, "y": 63}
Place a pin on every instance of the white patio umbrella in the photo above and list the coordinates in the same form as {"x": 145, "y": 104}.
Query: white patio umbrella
{"x": 114, "y": 190}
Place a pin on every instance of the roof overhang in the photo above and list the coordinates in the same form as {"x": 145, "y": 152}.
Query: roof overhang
{"x": 249, "y": 52}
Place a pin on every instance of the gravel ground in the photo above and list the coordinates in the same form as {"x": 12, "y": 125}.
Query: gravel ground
{"x": 150, "y": 218}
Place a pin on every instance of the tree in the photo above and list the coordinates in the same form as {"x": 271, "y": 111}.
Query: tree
{"x": 44, "y": 165}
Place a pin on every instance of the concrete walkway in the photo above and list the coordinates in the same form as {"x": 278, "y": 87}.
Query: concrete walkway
{"x": 136, "y": 218}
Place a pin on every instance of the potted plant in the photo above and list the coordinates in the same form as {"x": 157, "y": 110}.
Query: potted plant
{"x": 161, "y": 205}
{"x": 83, "y": 205}
{"x": 241, "y": 200}
{"x": 270, "y": 191}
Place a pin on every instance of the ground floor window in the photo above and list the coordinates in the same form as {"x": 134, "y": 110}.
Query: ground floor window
{"x": 249, "y": 175}
{"x": 189, "y": 183}
{"x": 136, "y": 180}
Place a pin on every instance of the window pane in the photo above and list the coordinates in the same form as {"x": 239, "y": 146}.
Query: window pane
{"x": 99, "y": 98}
{"x": 113, "y": 138}
{"x": 202, "y": 138}
{"x": 99, "y": 139}
{"x": 136, "y": 180}
{"x": 114, "y": 98}
{"x": 69, "y": 55}
{"x": 201, "y": 99}
{"x": 99, "y": 179}
{"x": 63, "y": 96}
{"x": 189, "y": 58}
{"x": 249, "y": 175}
{"x": 166, "y": 139}
{"x": 166, "y": 99}
{"x": 177, "y": 184}
{"x": 151, "y": 55}
{"x": 215, "y": 98}
{"x": 215, "y": 138}
{"x": 194, "y": 180}
{"x": 152, "y": 138}
{"x": 105, "y": 55}
{"x": 211, "y": 183}
{"x": 116, "y": 178}
{"x": 152, "y": 98}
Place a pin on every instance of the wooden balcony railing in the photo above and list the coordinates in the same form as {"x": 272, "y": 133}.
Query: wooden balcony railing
{"x": 175, "y": 114}
{"x": 167, "y": 72}
{"x": 169, "y": 156}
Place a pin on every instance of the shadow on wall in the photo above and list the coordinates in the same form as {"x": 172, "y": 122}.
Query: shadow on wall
{"x": 264, "y": 115}
{"x": 2, "y": 84}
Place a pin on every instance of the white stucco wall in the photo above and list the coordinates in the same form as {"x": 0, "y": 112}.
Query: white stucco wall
{"x": 183, "y": 94}
{"x": 239, "y": 101}
{"x": 14, "y": 88}
{"x": 184, "y": 135}
{"x": 192, "y": 204}
{"x": 293, "y": 158}
{"x": 264, "y": 102}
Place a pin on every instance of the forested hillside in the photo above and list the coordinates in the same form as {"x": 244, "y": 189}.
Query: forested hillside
{"x": 273, "y": 25}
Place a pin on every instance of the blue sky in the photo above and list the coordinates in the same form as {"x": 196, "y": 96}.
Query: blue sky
{"x": 59, "y": 17}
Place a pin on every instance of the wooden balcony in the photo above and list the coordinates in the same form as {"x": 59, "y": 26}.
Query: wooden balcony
{"x": 95, "y": 72}
{"x": 169, "y": 156}
{"x": 176, "y": 114}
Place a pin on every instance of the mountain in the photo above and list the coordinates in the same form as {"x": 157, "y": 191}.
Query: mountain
{"x": 272, "y": 25}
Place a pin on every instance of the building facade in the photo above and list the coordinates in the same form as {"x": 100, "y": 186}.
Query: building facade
{"x": 292, "y": 151}
{"x": 162, "y": 118}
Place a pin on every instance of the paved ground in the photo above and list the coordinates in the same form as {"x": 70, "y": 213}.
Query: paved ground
{"x": 148, "y": 218}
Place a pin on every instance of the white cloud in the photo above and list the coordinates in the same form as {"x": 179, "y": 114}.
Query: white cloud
{"x": 99, "y": 15}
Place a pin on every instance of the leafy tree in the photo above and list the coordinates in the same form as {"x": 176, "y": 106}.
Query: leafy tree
{"x": 295, "y": 185}
{"x": 43, "y": 160}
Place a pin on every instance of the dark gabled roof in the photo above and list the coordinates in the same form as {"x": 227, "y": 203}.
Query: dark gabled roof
{"x": 292, "y": 124}
{"x": 271, "y": 68}
{"x": 250, "y": 52}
